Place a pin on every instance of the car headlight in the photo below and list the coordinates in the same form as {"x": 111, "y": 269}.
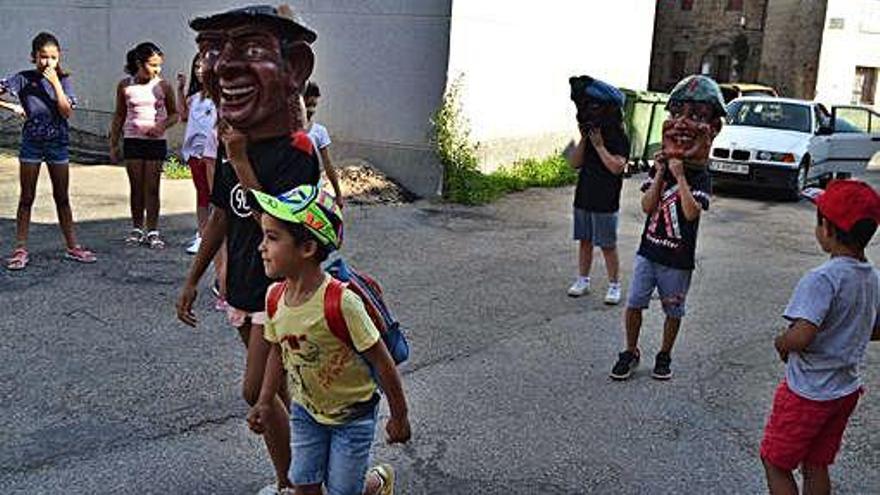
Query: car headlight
{"x": 769, "y": 156}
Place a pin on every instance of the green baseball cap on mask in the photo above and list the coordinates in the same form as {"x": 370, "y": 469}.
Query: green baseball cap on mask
{"x": 310, "y": 206}
{"x": 700, "y": 89}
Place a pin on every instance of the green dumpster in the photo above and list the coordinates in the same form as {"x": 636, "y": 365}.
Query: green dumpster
{"x": 643, "y": 115}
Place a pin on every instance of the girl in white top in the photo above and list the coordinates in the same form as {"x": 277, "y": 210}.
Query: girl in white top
{"x": 321, "y": 138}
{"x": 199, "y": 151}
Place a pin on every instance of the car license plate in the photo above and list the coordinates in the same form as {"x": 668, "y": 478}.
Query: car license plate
{"x": 731, "y": 168}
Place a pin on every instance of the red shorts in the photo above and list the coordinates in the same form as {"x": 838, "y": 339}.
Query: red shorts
{"x": 199, "y": 169}
{"x": 805, "y": 431}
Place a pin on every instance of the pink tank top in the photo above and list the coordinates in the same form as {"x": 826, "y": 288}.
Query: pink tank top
{"x": 145, "y": 107}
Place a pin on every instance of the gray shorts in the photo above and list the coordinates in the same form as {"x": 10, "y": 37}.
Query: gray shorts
{"x": 671, "y": 283}
{"x": 598, "y": 228}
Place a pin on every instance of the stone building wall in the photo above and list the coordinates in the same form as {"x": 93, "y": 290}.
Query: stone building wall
{"x": 792, "y": 41}
{"x": 696, "y": 40}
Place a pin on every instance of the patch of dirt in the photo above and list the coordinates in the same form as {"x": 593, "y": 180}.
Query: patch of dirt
{"x": 361, "y": 183}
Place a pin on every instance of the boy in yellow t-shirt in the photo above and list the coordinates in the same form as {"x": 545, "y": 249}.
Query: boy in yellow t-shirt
{"x": 335, "y": 398}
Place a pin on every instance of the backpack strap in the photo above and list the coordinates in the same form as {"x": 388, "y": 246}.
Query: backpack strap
{"x": 333, "y": 311}
{"x": 273, "y": 297}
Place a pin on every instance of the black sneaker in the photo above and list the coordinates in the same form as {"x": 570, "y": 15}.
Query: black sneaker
{"x": 661, "y": 366}
{"x": 626, "y": 362}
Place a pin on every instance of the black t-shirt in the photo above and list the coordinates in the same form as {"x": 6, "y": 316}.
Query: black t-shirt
{"x": 280, "y": 164}
{"x": 668, "y": 237}
{"x": 598, "y": 189}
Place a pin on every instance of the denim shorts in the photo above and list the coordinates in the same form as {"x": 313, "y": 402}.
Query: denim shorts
{"x": 598, "y": 228}
{"x": 53, "y": 152}
{"x": 336, "y": 455}
{"x": 671, "y": 283}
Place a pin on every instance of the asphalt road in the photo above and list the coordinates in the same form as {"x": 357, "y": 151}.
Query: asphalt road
{"x": 103, "y": 391}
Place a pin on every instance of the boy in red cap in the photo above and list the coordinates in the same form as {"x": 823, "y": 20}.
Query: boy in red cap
{"x": 832, "y": 315}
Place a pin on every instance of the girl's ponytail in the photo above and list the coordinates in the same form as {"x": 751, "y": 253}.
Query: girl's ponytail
{"x": 131, "y": 66}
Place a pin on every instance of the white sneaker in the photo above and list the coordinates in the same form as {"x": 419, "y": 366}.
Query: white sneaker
{"x": 580, "y": 287}
{"x": 193, "y": 247}
{"x": 613, "y": 294}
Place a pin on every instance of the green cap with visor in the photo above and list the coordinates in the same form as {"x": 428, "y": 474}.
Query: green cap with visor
{"x": 310, "y": 206}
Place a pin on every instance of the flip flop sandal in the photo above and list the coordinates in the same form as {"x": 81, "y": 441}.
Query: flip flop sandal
{"x": 385, "y": 473}
{"x": 18, "y": 260}
{"x": 81, "y": 255}
{"x": 135, "y": 236}
{"x": 154, "y": 241}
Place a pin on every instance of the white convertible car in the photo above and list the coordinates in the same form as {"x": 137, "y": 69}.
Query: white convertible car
{"x": 786, "y": 144}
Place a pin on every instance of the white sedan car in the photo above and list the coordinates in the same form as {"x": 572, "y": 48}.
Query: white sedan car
{"x": 786, "y": 144}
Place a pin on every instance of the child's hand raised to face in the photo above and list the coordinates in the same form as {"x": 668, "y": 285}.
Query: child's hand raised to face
{"x": 660, "y": 162}
{"x": 235, "y": 142}
{"x": 51, "y": 74}
{"x": 676, "y": 167}
{"x": 596, "y": 138}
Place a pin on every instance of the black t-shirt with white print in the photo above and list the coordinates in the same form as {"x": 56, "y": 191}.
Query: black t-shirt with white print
{"x": 280, "y": 164}
{"x": 668, "y": 237}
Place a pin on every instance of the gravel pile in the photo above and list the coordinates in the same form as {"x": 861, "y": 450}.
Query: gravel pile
{"x": 362, "y": 183}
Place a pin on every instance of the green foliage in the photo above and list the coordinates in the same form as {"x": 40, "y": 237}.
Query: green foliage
{"x": 462, "y": 180}
{"x": 451, "y": 141}
{"x": 552, "y": 171}
{"x": 174, "y": 169}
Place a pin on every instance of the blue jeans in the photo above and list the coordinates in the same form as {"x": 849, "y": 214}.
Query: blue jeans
{"x": 336, "y": 455}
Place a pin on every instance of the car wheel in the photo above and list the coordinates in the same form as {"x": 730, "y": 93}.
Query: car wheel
{"x": 803, "y": 178}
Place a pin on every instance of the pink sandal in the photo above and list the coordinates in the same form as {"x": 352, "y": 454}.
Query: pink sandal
{"x": 18, "y": 260}
{"x": 80, "y": 254}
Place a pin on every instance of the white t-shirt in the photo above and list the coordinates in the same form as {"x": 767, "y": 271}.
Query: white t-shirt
{"x": 200, "y": 140}
{"x": 319, "y": 135}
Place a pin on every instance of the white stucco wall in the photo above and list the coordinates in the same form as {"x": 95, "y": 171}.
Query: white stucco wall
{"x": 381, "y": 64}
{"x": 517, "y": 56}
{"x": 857, "y": 44}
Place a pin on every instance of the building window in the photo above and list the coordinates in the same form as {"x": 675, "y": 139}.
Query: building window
{"x": 734, "y": 5}
{"x": 687, "y": 4}
{"x": 865, "y": 85}
{"x": 679, "y": 63}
